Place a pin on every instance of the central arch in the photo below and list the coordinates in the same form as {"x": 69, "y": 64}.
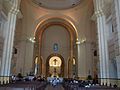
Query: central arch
{"x": 47, "y": 22}
{"x": 38, "y": 38}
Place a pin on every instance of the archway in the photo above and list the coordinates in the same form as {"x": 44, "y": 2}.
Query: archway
{"x": 55, "y": 66}
{"x": 40, "y": 37}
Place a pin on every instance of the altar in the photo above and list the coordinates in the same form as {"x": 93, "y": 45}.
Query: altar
{"x": 55, "y": 79}
{"x": 55, "y": 67}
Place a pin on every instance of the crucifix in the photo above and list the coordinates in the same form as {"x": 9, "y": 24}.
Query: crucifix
{"x": 55, "y": 64}
{"x": 55, "y": 61}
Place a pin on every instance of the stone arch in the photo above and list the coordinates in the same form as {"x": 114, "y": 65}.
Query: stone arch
{"x": 66, "y": 19}
{"x": 56, "y": 21}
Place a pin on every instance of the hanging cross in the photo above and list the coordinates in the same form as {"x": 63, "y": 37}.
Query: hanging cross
{"x": 55, "y": 61}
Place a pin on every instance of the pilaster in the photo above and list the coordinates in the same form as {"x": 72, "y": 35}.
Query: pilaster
{"x": 8, "y": 43}
{"x": 118, "y": 68}
{"x": 102, "y": 41}
{"x": 116, "y": 20}
{"x": 81, "y": 60}
{"x": 117, "y": 16}
{"x": 78, "y": 58}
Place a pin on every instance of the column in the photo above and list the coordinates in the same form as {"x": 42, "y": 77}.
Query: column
{"x": 102, "y": 66}
{"x": 71, "y": 60}
{"x": 117, "y": 13}
{"x": 118, "y": 66}
{"x": 118, "y": 69}
{"x": 117, "y": 4}
{"x": 78, "y": 59}
{"x": 102, "y": 41}
{"x": 8, "y": 44}
{"x": 2, "y": 22}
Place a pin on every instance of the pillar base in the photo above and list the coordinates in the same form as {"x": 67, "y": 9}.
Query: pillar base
{"x": 109, "y": 82}
{"x": 1, "y": 80}
{"x": 4, "y": 80}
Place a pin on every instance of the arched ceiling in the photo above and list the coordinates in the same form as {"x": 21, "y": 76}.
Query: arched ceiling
{"x": 57, "y": 4}
{"x": 55, "y": 21}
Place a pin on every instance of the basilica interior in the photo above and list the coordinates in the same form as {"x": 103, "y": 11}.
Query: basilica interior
{"x": 71, "y": 39}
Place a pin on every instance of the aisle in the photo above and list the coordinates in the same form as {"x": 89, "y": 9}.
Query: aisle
{"x": 58, "y": 87}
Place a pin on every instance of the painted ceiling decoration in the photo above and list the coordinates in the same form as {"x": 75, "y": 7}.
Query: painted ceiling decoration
{"x": 57, "y": 4}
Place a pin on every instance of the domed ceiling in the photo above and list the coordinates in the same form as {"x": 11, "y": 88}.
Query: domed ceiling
{"x": 57, "y": 4}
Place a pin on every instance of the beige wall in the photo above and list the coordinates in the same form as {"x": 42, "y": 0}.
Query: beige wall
{"x": 55, "y": 34}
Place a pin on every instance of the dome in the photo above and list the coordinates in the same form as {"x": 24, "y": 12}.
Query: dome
{"x": 57, "y": 4}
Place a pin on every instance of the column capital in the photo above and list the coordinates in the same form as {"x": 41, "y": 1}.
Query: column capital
{"x": 99, "y": 13}
{"x": 15, "y": 4}
{"x": 77, "y": 42}
{"x": 14, "y": 11}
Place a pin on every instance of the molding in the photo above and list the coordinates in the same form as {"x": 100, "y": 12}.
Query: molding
{"x": 78, "y": 42}
{"x": 99, "y": 13}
